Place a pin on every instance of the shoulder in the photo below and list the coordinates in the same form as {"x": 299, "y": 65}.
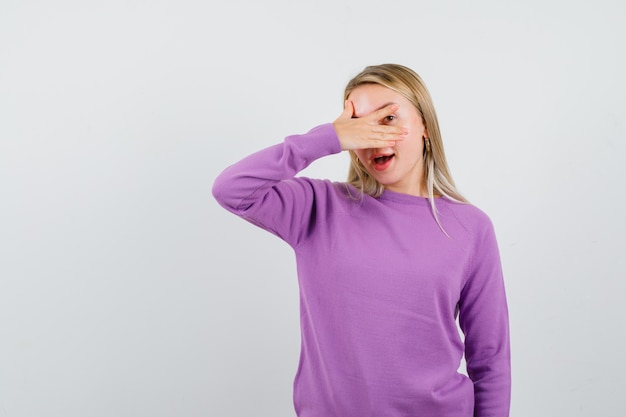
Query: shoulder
{"x": 470, "y": 217}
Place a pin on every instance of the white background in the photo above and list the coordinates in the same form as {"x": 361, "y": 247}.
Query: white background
{"x": 125, "y": 290}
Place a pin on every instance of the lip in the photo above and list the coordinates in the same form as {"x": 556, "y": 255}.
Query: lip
{"x": 385, "y": 165}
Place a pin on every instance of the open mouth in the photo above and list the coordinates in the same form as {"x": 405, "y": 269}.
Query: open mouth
{"x": 381, "y": 162}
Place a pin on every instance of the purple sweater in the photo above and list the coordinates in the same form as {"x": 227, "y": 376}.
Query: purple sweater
{"x": 380, "y": 288}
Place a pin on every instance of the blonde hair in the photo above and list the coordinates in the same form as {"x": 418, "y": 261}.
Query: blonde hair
{"x": 437, "y": 178}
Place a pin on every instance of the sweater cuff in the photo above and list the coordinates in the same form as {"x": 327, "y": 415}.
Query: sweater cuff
{"x": 323, "y": 141}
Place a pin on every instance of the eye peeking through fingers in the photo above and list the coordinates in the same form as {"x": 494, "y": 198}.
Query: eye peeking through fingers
{"x": 388, "y": 119}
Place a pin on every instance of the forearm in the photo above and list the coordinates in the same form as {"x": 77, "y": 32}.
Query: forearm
{"x": 262, "y": 189}
{"x": 245, "y": 182}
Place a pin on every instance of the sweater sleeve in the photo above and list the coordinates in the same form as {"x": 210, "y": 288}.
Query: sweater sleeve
{"x": 261, "y": 188}
{"x": 483, "y": 317}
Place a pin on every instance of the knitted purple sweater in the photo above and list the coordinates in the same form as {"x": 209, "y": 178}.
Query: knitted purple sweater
{"x": 380, "y": 288}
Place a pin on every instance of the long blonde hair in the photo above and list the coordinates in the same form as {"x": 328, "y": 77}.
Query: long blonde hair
{"x": 437, "y": 178}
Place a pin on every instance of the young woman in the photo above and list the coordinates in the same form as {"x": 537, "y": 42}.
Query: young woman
{"x": 386, "y": 261}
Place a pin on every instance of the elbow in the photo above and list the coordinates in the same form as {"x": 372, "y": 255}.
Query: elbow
{"x": 217, "y": 190}
{"x": 229, "y": 193}
{"x": 220, "y": 191}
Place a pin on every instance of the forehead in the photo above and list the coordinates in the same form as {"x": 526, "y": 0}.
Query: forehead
{"x": 370, "y": 97}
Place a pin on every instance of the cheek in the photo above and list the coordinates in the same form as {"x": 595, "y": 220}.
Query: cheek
{"x": 360, "y": 153}
{"x": 415, "y": 126}
{"x": 411, "y": 146}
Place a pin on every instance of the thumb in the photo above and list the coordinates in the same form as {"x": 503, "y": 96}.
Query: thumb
{"x": 348, "y": 110}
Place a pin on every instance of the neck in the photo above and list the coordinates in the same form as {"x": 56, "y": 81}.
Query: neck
{"x": 416, "y": 189}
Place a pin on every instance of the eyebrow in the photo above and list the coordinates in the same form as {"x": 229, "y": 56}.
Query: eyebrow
{"x": 381, "y": 107}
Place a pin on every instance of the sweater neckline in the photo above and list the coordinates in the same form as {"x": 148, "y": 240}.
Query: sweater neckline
{"x": 396, "y": 197}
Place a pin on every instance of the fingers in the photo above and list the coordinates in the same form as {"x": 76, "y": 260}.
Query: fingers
{"x": 378, "y": 115}
{"x": 385, "y": 141}
{"x": 390, "y": 130}
{"x": 371, "y": 131}
{"x": 381, "y": 125}
{"x": 382, "y": 139}
{"x": 348, "y": 110}
{"x": 384, "y": 112}
{"x": 389, "y": 133}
